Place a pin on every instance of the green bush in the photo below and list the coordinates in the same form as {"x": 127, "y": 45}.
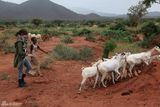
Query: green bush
{"x": 45, "y": 31}
{"x": 2, "y": 27}
{"x": 90, "y": 38}
{"x": 102, "y": 25}
{"x": 115, "y": 34}
{"x": 68, "y": 53}
{"x": 85, "y": 52}
{"x": 127, "y": 39}
{"x": 118, "y": 26}
{"x": 108, "y": 47}
{"x": 150, "y": 31}
{"x": 75, "y": 32}
{"x": 149, "y": 28}
{"x": 126, "y": 47}
{"x": 10, "y": 32}
{"x": 66, "y": 39}
{"x": 6, "y": 45}
{"x": 36, "y": 21}
{"x": 146, "y": 43}
{"x": 50, "y": 58}
{"x": 84, "y": 32}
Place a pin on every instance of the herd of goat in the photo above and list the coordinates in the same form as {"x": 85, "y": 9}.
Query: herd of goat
{"x": 109, "y": 67}
{"x": 117, "y": 64}
{"x": 39, "y": 36}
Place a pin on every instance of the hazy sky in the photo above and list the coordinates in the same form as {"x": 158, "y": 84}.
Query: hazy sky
{"x": 107, "y": 6}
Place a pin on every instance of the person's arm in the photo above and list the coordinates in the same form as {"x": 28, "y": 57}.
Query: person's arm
{"x": 42, "y": 50}
{"x": 31, "y": 49}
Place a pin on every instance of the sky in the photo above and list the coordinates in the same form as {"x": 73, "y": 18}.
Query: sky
{"x": 105, "y": 6}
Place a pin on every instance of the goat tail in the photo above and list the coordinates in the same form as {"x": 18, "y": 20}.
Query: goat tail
{"x": 97, "y": 66}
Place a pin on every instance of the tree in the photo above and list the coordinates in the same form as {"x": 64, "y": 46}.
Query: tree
{"x": 149, "y": 2}
{"x": 136, "y": 13}
{"x": 57, "y": 22}
{"x": 37, "y": 22}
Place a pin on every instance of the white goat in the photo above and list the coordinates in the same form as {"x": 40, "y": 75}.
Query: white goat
{"x": 135, "y": 59}
{"x": 112, "y": 65}
{"x": 88, "y": 72}
{"x": 123, "y": 63}
{"x": 122, "y": 67}
{"x": 38, "y": 36}
{"x": 98, "y": 62}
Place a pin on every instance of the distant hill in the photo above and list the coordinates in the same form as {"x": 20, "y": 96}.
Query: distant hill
{"x": 48, "y": 10}
{"x": 44, "y": 9}
{"x": 88, "y": 11}
{"x": 154, "y": 14}
{"x": 149, "y": 15}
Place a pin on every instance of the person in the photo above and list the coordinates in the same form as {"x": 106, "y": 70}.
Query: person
{"x": 20, "y": 59}
{"x": 34, "y": 59}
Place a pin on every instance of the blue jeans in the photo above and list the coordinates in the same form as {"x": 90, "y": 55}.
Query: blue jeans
{"x": 28, "y": 66}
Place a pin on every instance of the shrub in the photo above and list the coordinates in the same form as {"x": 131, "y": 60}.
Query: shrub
{"x": 75, "y": 32}
{"x": 118, "y": 26}
{"x": 115, "y": 34}
{"x": 66, "y": 39}
{"x": 84, "y": 32}
{"x": 102, "y": 25}
{"x": 90, "y": 38}
{"x": 2, "y": 27}
{"x": 10, "y": 32}
{"x": 150, "y": 31}
{"x": 48, "y": 25}
{"x": 108, "y": 47}
{"x": 127, "y": 39}
{"x": 67, "y": 53}
{"x": 85, "y": 52}
{"x": 126, "y": 47}
{"x": 57, "y": 22}
{"x": 149, "y": 28}
{"x": 44, "y": 31}
{"x": 50, "y": 58}
{"x": 6, "y": 46}
{"x": 146, "y": 43}
{"x": 36, "y": 22}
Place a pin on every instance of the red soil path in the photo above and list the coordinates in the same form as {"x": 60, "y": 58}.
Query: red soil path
{"x": 1, "y": 31}
{"x": 58, "y": 88}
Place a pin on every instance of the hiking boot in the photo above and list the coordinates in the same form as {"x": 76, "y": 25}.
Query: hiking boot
{"x": 23, "y": 76}
{"x": 20, "y": 83}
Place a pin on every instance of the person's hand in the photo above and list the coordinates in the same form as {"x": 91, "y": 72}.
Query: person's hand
{"x": 26, "y": 54}
{"x": 30, "y": 55}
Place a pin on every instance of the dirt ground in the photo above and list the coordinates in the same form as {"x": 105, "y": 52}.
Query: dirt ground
{"x": 58, "y": 88}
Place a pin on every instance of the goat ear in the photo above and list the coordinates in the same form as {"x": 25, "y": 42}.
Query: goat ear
{"x": 123, "y": 53}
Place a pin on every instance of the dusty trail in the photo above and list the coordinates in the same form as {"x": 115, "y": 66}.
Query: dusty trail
{"x": 59, "y": 87}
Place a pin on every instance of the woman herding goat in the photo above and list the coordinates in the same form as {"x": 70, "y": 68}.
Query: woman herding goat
{"x": 20, "y": 59}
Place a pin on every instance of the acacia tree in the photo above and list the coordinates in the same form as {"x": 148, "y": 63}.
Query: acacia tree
{"x": 136, "y": 13}
{"x": 149, "y": 2}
